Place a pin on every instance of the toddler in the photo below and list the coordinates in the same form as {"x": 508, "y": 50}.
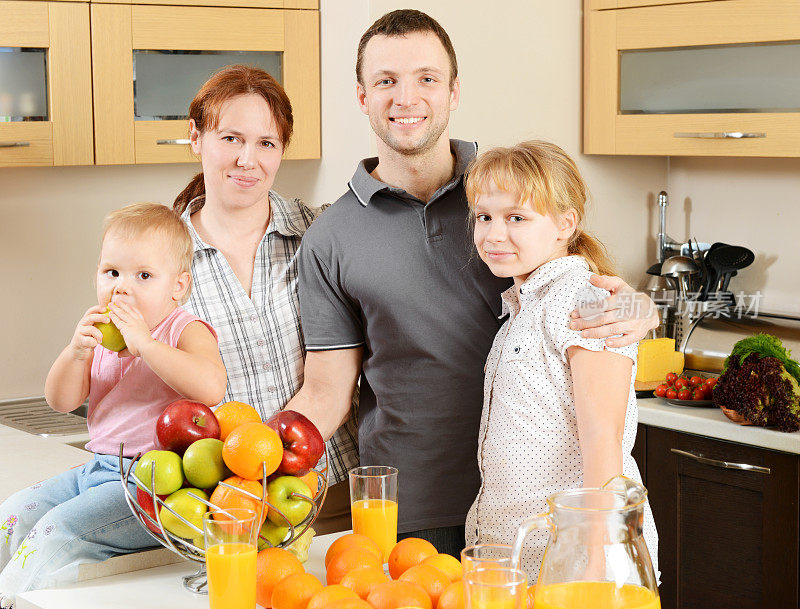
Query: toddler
{"x": 81, "y": 516}
{"x": 559, "y": 410}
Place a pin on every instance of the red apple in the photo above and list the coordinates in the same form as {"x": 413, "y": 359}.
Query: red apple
{"x": 184, "y": 422}
{"x": 302, "y": 443}
{"x": 146, "y": 501}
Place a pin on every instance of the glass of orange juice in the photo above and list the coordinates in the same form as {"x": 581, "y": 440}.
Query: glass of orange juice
{"x": 373, "y": 504}
{"x": 485, "y": 556}
{"x": 231, "y": 538}
{"x": 496, "y": 588}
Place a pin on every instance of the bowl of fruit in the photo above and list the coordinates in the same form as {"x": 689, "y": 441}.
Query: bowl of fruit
{"x": 229, "y": 459}
{"x": 687, "y": 389}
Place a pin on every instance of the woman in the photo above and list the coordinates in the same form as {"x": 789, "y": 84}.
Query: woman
{"x": 245, "y": 252}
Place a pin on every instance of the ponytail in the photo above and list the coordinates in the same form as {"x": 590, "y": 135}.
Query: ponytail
{"x": 194, "y": 189}
{"x": 595, "y": 253}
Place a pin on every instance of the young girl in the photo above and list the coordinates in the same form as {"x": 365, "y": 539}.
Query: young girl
{"x": 81, "y": 516}
{"x": 559, "y": 410}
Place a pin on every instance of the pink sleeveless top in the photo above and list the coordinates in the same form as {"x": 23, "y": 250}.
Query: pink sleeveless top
{"x": 126, "y": 397}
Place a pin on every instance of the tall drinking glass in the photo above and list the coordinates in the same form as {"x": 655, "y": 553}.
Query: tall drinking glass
{"x": 373, "y": 504}
{"x": 498, "y": 588}
{"x": 231, "y": 539}
{"x": 486, "y": 556}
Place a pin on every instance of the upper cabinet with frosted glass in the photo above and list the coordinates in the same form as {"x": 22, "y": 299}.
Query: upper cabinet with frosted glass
{"x": 692, "y": 78}
{"x": 45, "y": 84}
{"x": 149, "y": 60}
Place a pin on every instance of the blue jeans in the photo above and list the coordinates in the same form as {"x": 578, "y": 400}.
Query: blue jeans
{"x": 50, "y": 528}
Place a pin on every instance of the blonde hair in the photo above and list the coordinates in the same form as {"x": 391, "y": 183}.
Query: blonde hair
{"x": 138, "y": 218}
{"x": 545, "y": 175}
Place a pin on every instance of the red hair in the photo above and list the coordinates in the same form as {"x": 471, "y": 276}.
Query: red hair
{"x": 230, "y": 82}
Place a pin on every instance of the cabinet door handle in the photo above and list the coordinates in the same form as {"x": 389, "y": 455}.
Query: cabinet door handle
{"x": 722, "y": 464}
{"x": 14, "y": 144}
{"x": 173, "y": 142}
{"x": 721, "y": 135}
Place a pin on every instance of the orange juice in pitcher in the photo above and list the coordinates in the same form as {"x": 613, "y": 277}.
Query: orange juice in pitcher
{"x": 598, "y": 595}
{"x": 596, "y": 555}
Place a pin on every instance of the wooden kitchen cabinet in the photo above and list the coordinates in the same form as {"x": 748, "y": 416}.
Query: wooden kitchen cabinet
{"x": 700, "y": 78}
{"x": 727, "y": 537}
{"x": 45, "y": 84}
{"x": 149, "y": 60}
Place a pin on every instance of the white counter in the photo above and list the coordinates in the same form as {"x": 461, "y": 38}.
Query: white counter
{"x": 711, "y": 422}
{"x": 158, "y": 588}
{"x": 28, "y": 458}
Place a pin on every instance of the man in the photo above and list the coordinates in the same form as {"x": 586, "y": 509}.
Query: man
{"x": 391, "y": 290}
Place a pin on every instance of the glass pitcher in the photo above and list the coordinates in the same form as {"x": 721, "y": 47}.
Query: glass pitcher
{"x": 596, "y": 555}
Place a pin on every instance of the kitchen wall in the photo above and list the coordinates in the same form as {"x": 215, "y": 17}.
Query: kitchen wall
{"x": 520, "y": 65}
{"x": 749, "y": 202}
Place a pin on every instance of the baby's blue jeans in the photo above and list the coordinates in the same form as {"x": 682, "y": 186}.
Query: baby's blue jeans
{"x": 50, "y": 528}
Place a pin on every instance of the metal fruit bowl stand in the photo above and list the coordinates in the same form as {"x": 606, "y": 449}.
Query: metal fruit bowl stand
{"x": 184, "y": 547}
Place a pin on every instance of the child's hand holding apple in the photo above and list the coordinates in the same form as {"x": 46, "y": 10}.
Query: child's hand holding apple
{"x": 131, "y": 325}
{"x": 87, "y": 336}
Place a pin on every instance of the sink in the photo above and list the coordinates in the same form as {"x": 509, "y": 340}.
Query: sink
{"x": 34, "y": 416}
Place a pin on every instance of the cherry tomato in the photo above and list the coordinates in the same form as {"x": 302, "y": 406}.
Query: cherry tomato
{"x": 685, "y": 394}
{"x": 661, "y": 390}
{"x": 699, "y": 394}
{"x": 671, "y": 394}
{"x": 671, "y": 378}
{"x": 695, "y": 381}
{"x": 680, "y": 383}
{"x": 710, "y": 383}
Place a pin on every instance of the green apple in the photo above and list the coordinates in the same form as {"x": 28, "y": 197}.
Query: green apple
{"x": 169, "y": 471}
{"x": 203, "y": 465}
{"x": 272, "y": 533}
{"x": 188, "y": 507}
{"x": 295, "y": 509}
{"x": 112, "y": 337}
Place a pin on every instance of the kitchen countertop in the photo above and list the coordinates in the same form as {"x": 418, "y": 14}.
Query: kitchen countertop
{"x": 711, "y": 422}
{"x": 157, "y": 588}
{"x": 28, "y": 458}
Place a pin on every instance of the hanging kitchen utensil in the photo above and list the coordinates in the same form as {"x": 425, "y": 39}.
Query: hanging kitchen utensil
{"x": 655, "y": 269}
{"x": 681, "y": 268}
{"x": 711, "y": 277}
{"x": 729, "y": 259}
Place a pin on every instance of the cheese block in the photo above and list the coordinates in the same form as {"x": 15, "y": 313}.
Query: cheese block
{"x": 657, "y": 357}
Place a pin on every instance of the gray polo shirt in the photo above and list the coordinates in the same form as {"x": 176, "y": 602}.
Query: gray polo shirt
{"x": 382, "y": 269}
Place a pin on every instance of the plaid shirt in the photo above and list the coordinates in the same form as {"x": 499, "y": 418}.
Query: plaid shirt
{"x": 260, "y": 337}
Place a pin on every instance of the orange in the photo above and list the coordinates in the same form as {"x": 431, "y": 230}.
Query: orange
{"x": 350, "y": 603}
{"x": 407, "y": 553}
{"x": 329, "y": 594}
{"x": 250, "y": 444}
{"x": 347, "y": 560}
{"x": 430, "y": 578}
{"x": 272, "y": 566}
{"x": 352, "y": 540}
{"x": 232, "y": 414}
{"x": 361, "y": 579}
{"x": 449, "y": 565}
{"x": 312, "y": 481}
{"x": 453, "y": 597}
{"x": 295, "y": 591}
{"x": 531, "y": 591}
{"x": 397, "y": 594}
{"x": 228, "y": 498}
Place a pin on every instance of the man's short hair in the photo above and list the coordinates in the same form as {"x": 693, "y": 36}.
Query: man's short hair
{"x": 402, "y": 22}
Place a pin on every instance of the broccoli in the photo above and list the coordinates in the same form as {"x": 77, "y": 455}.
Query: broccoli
{"x": 761, "y": 382}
